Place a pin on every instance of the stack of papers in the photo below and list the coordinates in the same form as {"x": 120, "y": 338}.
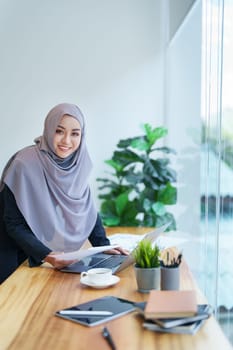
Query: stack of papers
{"x": 164, "y": 240}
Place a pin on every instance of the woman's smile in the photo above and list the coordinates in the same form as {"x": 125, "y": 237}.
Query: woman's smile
{"x": 67, "y": 137}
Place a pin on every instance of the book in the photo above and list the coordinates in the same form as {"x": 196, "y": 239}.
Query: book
{"x": 97, "y": 311}
{"x": 170, "y": 304}
{"x": 203, "y": 312}
{"x": 189, "y": 328}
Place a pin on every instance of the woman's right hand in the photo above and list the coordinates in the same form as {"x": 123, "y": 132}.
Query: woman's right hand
{"x": 55, "y": 259}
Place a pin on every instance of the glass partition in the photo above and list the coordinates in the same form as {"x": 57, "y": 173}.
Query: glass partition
{"x": 216, "y": 246}
{"x": 199, "y": 112}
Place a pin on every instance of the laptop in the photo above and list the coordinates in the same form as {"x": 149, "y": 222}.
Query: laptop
{"x": 115, "y": 262}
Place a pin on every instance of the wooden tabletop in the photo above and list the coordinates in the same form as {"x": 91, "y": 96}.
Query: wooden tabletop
{"x": 30, "y": 297}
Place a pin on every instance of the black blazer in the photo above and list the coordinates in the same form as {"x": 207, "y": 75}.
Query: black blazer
{"x": 18, "y": 242}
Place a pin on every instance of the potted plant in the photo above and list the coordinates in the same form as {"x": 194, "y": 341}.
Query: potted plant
{"x": 147, "y": 266}
{"x": 140, "y": 186}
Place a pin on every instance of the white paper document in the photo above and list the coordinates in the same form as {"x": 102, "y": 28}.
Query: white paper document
{"x": 163, "y": 240}
{"x": 82, "y": 253}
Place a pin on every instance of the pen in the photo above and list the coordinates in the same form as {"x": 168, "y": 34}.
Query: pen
{"x": 107, "y": 336}
{"x": 85, "y": 313}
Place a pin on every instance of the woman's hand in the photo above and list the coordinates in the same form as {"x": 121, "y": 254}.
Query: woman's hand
{"x": 55, "y": 259}
{"x": 117, "y": 250}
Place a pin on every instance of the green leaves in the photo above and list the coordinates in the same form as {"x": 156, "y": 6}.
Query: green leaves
{"x": 144, "y": 142}
{"x": 168, "y": 194}
{"x": 121, "y": 202}
{"x": 138, "y": 173}
{"x": 155, "y": 134}
{"x": 146, "y": 255}
{"x": 119, "y": 212}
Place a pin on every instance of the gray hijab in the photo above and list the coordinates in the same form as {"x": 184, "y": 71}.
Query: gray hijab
{"x": 53, "y": 193}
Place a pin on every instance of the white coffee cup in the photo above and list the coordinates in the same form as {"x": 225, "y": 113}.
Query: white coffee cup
{"x": 97, "y": 275}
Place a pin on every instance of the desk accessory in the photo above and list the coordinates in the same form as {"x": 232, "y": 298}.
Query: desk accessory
{"x": 85, "y": 313}
{"x": 111, "y": 282}
{"x": 147, "y": 266}
{"x": 171, "y": 304}
{"x": 106, "y": 334}
{"x": 97, "y": 275}
{"x": 171, "y": 257}
{"x": 187, "y": 325}
{"x": 170, "y": 278}
{"x": 115, "y": 306}
{"x": 170, "y": 268}
{"x": 190, "y": 328}
{"x": 203, "y": 312}
{"x": 116, "y": 262}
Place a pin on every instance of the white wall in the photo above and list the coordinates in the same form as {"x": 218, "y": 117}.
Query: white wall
{"x": 104, "y": 56}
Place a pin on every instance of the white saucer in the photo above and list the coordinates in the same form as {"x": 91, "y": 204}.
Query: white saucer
{"x": 113, "y": 280}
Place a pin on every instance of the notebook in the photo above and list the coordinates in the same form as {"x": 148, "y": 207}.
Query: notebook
{"x": 188, "y": 328}
{"x": 203, "y": 312}
{"x": 114, "y": 262}
{"x": 187, "y": 325}
{"x": 171, "y": 304}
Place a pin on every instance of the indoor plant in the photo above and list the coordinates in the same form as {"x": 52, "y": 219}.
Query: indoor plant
{"x": 147, "y": 266}
{"x": 140, "y": 188}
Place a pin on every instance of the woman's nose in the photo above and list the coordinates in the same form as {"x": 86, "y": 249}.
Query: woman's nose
{"x": 66, "y": 138}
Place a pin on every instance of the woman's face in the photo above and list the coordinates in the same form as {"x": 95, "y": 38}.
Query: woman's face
{"x": 67, "y": 137}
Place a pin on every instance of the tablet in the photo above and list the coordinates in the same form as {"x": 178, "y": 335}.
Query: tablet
{"x": 97, "y": 311}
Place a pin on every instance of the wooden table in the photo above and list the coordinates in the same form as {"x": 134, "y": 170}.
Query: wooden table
{"x": 30, "y": 297}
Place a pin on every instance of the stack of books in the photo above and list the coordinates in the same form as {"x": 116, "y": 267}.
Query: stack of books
{"x": 174, "y": 312}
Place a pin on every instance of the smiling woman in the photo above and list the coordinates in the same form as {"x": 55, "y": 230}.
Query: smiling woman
{"x": 67, "y": 137}
{"x": 45, "y": 199}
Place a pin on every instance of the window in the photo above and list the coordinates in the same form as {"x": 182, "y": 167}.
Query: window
{"x": 199, "y": 117}
{"x": 217, "y": 160}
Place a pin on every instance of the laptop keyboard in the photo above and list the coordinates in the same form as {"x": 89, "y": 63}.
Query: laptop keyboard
{"x": 111, "y": 262}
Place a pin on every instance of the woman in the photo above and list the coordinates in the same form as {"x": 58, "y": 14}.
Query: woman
{"x": 46, "y": 206}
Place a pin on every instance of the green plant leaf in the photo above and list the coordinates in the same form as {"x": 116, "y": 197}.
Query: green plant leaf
{"x": 128, "y": 216}
{"x": 168, "y": 195}
{"x": 108, "y": 208}
{"x": 168, "y": 217}
{"x": 115, "y": 164}
{"x": 108, "y": 213}
{"x": 134, "y": 178}
{"x": 154, "y": 134}
{"x": 124, "y": 143}
{"x": 126, "y": 157}
{"x": 140, "y": 143}
{"x": 146, "y": 255}
{"x": 165, "y": 149}
{"x": 149, "y": 220}
{"x": 151, "y": 167}
{"x": 159, "y": 208}
{"x": 111, "y": 221}
{"x": 121, "y": 202}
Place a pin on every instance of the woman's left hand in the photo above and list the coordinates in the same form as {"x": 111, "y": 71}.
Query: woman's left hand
{"x": 117, "y": 250}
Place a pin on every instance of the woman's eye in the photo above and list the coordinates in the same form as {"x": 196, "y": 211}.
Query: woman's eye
{"x": 76, "y": 134}
{"x": 59, "y": 131}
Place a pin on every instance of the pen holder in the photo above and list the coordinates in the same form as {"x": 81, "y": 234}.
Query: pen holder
{"x": 170, "y": 278}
